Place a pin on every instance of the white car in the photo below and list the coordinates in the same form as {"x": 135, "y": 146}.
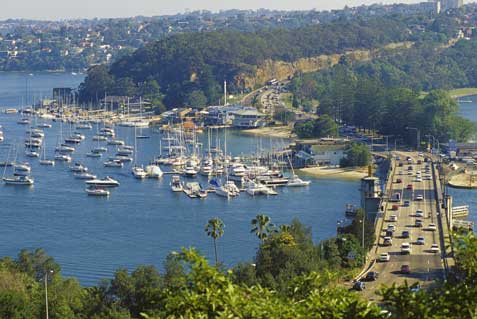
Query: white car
{"x": 400, "y": 173}
{"x": 409, "y": 173}
{"x": 419, "y": 213}
{"x": 419, "y": 197}
{"x": 405, "y": 248}
{"x": 384, "y": 257}
{"x": 391, "y": 227}
{"x": 432, "y": 227}
{"x": 393, "y": 218}
{"x": 418, "y": 179}
{"x": 434, "y": 248}
{"x": 420, "y": 240}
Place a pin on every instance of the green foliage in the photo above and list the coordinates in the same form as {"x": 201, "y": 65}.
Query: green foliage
{"x": 262, "y": 226}
{"x": 284, "y": 116}
{"x": 199, "y": 62}
{"x": 356, "y": 155}
{"x": 324, "y": 126}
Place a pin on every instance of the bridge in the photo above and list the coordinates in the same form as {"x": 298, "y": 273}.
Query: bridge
{"x": 420, "y": 219}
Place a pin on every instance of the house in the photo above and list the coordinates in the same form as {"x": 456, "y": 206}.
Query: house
{"x": 247, "y": 117}
{"x": 323, "y": 152}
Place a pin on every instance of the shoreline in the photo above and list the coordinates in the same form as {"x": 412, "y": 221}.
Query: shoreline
{"x": 272, "y": 131}
{"x": 355, "y": 173}
{"x": 463, "y": 92}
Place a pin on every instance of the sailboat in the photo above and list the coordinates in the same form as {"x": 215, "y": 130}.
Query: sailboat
{"x": 21, "y": 175}
{"x": 137, "y": 171}
{"x": 141, "y": 135}
{"x": 43, "y": 160}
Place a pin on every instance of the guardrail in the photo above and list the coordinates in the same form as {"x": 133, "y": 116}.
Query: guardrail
{"x": 439, "y": 202}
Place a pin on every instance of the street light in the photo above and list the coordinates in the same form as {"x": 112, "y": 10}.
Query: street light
{"x": 46, "y": 291}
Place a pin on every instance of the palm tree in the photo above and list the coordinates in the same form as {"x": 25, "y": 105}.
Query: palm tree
{"x": 215, "y": 229}
{"x": 261, "y": 226}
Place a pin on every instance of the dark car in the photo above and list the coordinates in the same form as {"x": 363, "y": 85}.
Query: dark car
{"x": 400, "y": 164}
{"x": 405, "y": 269}
{"x": 405, "y": 234}
{"x": 389, "y": 233}
{"x": 398, "y": 180}
{"x": 359, "y": 286}
{"x": 371, "y": 276}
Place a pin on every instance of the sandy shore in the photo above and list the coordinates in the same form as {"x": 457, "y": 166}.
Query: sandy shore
{"x": 273, "y": 131}
{"x": 332, "y": 172}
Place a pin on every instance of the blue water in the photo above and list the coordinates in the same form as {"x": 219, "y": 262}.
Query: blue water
{"x": 142, "y": 221}
{"x": 466, "y": 196}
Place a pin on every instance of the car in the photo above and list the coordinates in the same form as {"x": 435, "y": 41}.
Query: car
{"x": 395, "y": 207}
{"x": 406, "y": 234}
{"x": 388, "y": 241}
{"x": 418, "y": 179}
{"x": 409, "y": 160}
{"x": 409, "y": 186}
{"x": 406, "y": 203}
{"x": 415, "y": 288}
{"x": 359, "y": 286}
{"x": 398, "y": 181}
{"x": 389, "y": 233}
{"x": 393, "y": 218}
{"x": 405, "y": 248}
{"x": 409, "y": 173}
{"x": 420, "y": 240}
{"x": 371, "y": 276}
{"x": 432, "y": 227}
{"x": 409, "y": 168}
{"x": 391, "y": 227}
{"x": 400, "y": 164}
{"x": 419, "y": 197}
{"x": 405, "y": 269}
{"x": 384, "y": 257}
{"x": 419, "y": 162}
{"x": 398, "y": 157}
{"x": 421, "y": 155}
{"x": 434, "y": 248}
{"x": 419, "y": 213}
{"x": 400, "y": 173}
{"x": 418, "y": 172}
{"x": 418, "y": 223}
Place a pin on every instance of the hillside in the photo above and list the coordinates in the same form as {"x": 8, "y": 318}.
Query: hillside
{"x": 190, "y": 68}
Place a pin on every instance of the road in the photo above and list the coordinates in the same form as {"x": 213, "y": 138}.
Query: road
{"x": 425, "y": 266}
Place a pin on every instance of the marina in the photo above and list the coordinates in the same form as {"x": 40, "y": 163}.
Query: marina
{"x": 92, "y": 236}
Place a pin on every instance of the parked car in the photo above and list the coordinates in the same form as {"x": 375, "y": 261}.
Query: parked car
{"x": 434, "y": 248}
{"x": 405, "y": 234}
{"x": 405, "y": 269}
{"x": 432, "y": 227}
{"x": 399, "y": 181}
{"x": 389, "y": 233}
{"x": 388, "y": 241}
{"x": 395, "y": 207}
{"x": 409, "y": 186}
{"x": 393, "y": 218}
{"x": 406, "y": 203}
{"x": 419, "y": 197}
{"x": 419, "y": 213}
{"x": 418, "y": 223}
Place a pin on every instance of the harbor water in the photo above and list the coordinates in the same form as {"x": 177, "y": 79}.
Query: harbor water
{"x": 142, "y": 220}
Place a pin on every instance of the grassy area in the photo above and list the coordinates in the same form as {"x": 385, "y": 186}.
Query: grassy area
{"x": 463, "y": 92}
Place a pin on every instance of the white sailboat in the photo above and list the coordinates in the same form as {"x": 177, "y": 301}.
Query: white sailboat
{"x": 137, "y": 171}
{"x": 44, "y": 160}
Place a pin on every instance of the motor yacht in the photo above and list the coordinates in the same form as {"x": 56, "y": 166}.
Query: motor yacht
{"x": 113, "y": 163}
{"x": 139, "y": 172}
{"x": 176, "y": 184}
{"x": 295, "y": 181}
{"x": 84, "y": 175}
{"x": 97, "y": 191}
{"x": 104, "y": 182}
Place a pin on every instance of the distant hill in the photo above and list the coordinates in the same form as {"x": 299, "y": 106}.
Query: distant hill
{"x": 191, "y": 65}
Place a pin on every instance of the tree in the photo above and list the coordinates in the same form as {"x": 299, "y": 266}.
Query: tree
{"x": 215, "y": 229}
{"x": 196, "y": 98}
{"x": 262, "y": 226}
{"x": 325, "y": 126}
{"x": 97, "y": 83}
{"x": 356, "y": 155}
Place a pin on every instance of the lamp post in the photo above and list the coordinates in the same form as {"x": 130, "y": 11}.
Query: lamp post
{"x": 418, "y": 135}
{"x": 46, "y": 292}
